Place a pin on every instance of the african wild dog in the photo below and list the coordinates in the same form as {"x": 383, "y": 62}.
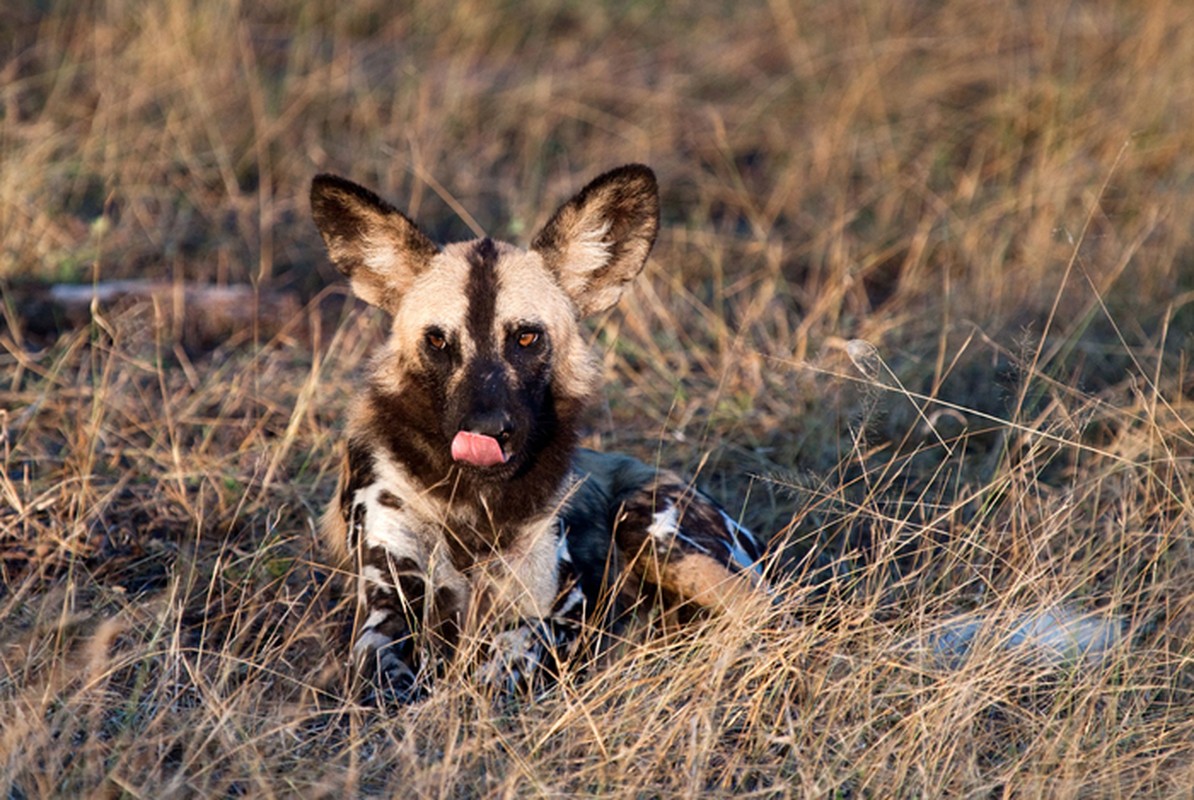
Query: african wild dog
{"x": 465, "y": 503}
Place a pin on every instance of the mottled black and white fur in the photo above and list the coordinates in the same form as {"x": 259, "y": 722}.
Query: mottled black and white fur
{"x": 465, "y": 505}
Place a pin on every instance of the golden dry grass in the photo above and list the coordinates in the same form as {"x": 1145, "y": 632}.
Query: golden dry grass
{"x": 991, "y": 200}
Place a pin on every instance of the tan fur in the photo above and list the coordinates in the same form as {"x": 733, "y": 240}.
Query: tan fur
{"x": 532, "y": 294}
{"x": 333, "y": 535}
{"x": 701, "y": 580}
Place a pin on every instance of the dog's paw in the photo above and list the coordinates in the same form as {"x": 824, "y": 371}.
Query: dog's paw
{"x": 389, "y": 678}
{"x": 513, "y": 659}
{"x": 529, "y": 657}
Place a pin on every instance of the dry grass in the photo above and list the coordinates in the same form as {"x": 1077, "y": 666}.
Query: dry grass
{"x": 992, "y": 198}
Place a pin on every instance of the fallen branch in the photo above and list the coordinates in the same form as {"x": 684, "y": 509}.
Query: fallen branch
{"x": 199, "y": 315}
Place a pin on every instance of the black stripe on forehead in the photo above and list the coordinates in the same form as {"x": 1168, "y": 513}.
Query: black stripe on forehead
{"x": 481, "y": 292}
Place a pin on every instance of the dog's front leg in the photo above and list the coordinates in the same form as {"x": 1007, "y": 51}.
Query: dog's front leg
{"x": 527, "y": 656}
{"x": 531, "y": 651}
{"x": 392, "y": 592}
{"x": 411, "y": 603}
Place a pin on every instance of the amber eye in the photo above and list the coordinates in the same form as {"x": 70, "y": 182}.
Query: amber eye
{"x": 527, "y": 338}
{"x": 436, "y": 340}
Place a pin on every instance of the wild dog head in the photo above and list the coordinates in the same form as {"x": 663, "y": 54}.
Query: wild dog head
{"x": 485, "y": 368}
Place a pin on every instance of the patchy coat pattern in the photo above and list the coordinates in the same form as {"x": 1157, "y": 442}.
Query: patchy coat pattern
{"x": 466, "y": 511}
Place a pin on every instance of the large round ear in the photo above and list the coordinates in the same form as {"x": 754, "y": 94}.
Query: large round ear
{"x": 370, "y": 241}
{"x": 599, "y": 240}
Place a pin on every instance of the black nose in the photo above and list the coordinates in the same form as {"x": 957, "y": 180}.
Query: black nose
{"x": 495, "y": 423}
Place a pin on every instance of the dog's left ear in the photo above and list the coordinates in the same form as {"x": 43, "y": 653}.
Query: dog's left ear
{"x": 599, "y": 240}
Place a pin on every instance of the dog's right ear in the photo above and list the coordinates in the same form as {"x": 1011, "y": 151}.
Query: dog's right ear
{"x": 370, "y": 241}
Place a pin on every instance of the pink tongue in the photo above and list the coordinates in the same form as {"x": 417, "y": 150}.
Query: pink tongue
{"x": 477, "y": 449}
